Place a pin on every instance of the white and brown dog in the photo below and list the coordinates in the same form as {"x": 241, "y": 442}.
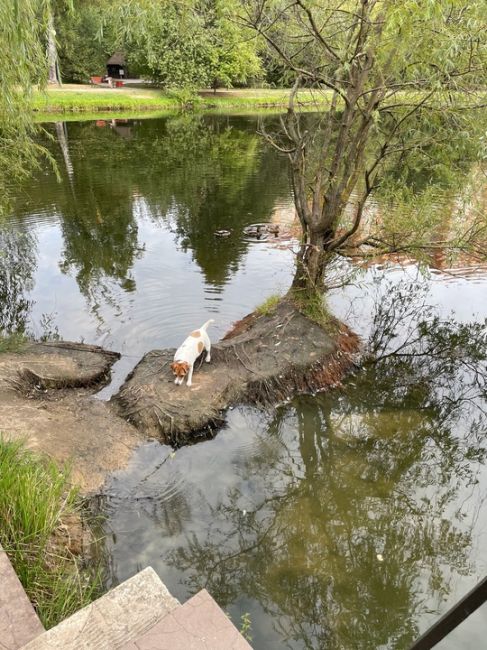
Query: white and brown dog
{"x": 189, "y": 351}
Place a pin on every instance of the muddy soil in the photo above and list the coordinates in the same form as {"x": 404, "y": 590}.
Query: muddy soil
{"x": 46, "y": 389}
{"x": 265, "y": 359}
{"x": 46, "y": 398}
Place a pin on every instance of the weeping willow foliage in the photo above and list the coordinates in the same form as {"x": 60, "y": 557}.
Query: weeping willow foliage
{"x": 23, "y": 65}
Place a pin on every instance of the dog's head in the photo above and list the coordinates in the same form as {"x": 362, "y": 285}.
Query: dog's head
{"x": 180, "y": 368}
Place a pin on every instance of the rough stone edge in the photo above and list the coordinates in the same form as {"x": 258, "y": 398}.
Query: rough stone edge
{"x": 199, "y": 623}
{"x": 101, "y": 375}
{"x": 19, "y": 622}
{"x": 119, "y": 616}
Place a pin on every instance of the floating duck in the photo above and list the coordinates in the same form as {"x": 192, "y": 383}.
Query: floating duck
{"x": 251, "y": 230}
{"x": 259, "y": 229}
{"x": 223, "y": 233}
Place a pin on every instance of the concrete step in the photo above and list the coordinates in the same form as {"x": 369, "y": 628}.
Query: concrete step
{"x": 121, "y": 615}
{"x": 199, "y": 624}
{"x": 18, "y": 621}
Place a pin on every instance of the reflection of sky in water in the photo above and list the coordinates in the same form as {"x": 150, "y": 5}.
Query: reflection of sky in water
{"x": 126, "y": 252}
{"x": 464, "y": 298}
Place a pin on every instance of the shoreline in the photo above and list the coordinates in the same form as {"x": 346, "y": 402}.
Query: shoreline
{"x": 77, "y": 102}
{"x": 81, "y": 99}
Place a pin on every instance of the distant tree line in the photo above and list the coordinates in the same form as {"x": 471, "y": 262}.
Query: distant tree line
{"x": 177, "y": 43}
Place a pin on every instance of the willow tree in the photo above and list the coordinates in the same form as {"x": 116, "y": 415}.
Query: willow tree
{"x": 23, "y": 26}
{"x": 387, "y": 69}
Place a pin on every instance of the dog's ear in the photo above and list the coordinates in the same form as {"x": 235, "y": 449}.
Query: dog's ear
{"x": 185, "y": 365}
{"x": 174, "y": 366}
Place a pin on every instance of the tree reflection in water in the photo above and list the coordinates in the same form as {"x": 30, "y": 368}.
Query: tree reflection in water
{"x": 17, "y": 267}
{"x": 354, "y": 525}
{"x": 186, "y": 175}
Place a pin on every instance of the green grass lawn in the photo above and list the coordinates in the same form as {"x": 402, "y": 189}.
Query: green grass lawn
{"x": 95, "y": 100}
{"x": 73, "y": 98}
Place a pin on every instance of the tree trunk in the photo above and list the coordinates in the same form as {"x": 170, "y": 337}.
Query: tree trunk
{"x": 310, "y": 265}
{"x": 52, "y": 52}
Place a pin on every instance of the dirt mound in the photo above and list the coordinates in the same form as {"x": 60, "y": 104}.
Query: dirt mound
{"x": 266, "y": 358}
{"x": 46, "y": 399}
{"x": 57, "y": 365}
{"x": 46, "y": 389}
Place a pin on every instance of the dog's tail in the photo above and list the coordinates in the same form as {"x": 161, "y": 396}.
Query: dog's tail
{"x": 205, "y": 326}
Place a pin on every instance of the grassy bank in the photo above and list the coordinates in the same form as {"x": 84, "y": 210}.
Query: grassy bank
{"x": 92, "y": 99}
{"x": 35, "y": 502}
{"x": 12, "y": 342}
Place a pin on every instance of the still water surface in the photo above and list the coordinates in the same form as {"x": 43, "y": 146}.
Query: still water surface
{"x": 346, "y": 520}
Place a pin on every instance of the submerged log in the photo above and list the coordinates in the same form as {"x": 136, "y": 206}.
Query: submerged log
{"x": 264, "y": 359}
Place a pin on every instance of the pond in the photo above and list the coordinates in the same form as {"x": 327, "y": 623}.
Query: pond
{"x": 350, "y": 519}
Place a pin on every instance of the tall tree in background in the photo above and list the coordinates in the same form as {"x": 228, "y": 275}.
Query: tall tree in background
{"x": 85, "y": 38}
{"x": 52, "y": 58}
{"x": 53, "y": 9}
{"x": 397, "y": 77}
{"x": 188, "y": 43}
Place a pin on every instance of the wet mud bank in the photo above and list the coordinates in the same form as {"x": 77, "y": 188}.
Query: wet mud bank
{"x": 263, "y": 360}
{"x": 46, "y": 399}
{"x": 47, "y": 389}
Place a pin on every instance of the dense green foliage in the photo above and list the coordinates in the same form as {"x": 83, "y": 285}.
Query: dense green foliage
{"x": 35, "y": 497}
{"x": 83, "y": 48}
{"x": 22, "y": 63}
{"x": 402, "y": 78}
{"x": 191, "y": 43}
{"x": 180, "y": 44}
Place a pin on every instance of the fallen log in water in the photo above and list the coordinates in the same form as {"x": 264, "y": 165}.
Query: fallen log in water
{"x": 265, "y": 359}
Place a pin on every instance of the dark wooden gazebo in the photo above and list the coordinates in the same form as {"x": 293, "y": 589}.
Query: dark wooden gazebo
{"x": 116, "y": 67}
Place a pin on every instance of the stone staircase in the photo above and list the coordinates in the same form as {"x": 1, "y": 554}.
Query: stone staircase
{"x": 139, "y": 614}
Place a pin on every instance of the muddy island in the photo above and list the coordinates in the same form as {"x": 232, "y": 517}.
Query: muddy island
{"x": 47, "y": 389}
{"x": 264, "y": 359}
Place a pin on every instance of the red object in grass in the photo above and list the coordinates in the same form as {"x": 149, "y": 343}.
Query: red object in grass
{"x": 119, "y": 84}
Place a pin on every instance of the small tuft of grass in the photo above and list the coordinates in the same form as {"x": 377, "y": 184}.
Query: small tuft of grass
{"x": 313, "y": 306}
{"x": 12, "y": 342}
{"x": 269, "y": 305}
{"x": 35, "y": 499}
